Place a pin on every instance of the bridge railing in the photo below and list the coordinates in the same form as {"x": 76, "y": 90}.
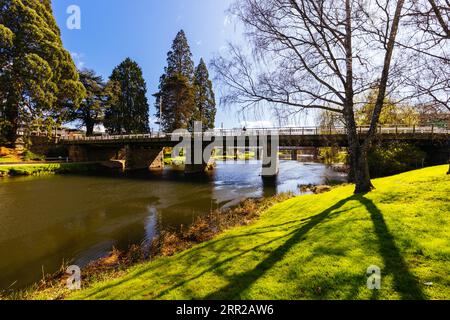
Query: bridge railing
{"x": 294, "y": 131}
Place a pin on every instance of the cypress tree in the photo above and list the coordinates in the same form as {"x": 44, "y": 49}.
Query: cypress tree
{"x": 176, "y": 95}
{"x": 128, "y": 108}
{"x": 38, "y": 78}
{"x": 205, "y": 101}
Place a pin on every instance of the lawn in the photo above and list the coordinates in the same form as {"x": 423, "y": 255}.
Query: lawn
{"x": 315, "y": 247}
{"x": 29, "y": 169}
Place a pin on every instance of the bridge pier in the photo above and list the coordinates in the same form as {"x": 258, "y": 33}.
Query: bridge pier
{"x": 196, "y": 162}
{"x": 270, "y": 159}
{"x": 130, "y": 157}
{"x": 140, "y": 158}
{"x": 78, "y": 153}
{"x": 258, "y": 153}
{"x": 294, "y": 155}
{"x": 84, "y": 153}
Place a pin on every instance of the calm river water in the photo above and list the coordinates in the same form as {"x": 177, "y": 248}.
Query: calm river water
{"x": 47, "y": 220}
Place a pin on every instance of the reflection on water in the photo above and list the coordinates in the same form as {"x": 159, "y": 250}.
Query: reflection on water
{"x": 47, "y": 220}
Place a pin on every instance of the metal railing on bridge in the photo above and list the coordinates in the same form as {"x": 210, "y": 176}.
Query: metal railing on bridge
{"x": 290, "y": 131}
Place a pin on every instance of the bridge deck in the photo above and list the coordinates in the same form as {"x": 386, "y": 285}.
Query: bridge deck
{"x": 307, "y": 136}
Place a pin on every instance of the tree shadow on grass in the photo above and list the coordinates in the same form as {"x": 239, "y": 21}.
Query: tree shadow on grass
{"x": 243, "y": 281}
{"x": 404, "y": 281}
{"x": 181, "y": 283}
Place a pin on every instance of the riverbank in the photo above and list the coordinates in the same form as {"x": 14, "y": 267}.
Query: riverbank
{"x": 167, "y": 243}
{"x": 311, "y": 247}
{"x": 33, "y": 169}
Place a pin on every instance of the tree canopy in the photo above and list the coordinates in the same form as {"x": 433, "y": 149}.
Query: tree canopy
{"x": 392, "y": 113}
{"x": 38, "y": 78}
{"x": 128, "y": 110}
{"x": 205, "y": 101}
{"x": 185, "y": 95}
{"x": 92, "y": 107}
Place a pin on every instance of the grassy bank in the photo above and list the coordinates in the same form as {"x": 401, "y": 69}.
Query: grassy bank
{"x": 314, "y": 247}
{"x": 40, "y": 169}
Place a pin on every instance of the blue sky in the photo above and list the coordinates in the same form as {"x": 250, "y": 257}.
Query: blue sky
{"x": 143, "y": 30}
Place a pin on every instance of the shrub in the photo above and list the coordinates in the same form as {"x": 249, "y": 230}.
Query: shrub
{"x": 333, "y": 155}
{"x": 394, "y": 158}
{"x": 30, "y": 156}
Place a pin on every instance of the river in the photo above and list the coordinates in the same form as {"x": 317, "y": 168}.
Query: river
{"x": 50, "y": 219}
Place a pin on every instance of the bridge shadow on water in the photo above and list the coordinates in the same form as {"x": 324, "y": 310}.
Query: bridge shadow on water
{"x": 175, "y": 175}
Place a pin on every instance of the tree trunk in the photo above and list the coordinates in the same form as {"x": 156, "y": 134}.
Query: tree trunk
{"x": 362, "y": 174}
{"x": 89, "y": 129}
{"x": 89, "y": 123}
{"x": 12, "y": 116}
{"x": 351, "y": 164}
{"x": 359, "y": 165}
{"x": 11, "y": 136}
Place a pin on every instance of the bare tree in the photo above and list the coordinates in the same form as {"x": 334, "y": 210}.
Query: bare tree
{"x": 310, "y": 54}
{"x": 430, "y": 44}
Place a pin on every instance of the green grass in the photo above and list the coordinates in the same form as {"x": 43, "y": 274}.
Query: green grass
{"x": 181, "y": 160}
{"x": 39, "y": 169}
{"x": 315, "y": 247}
{"x": 9, "y": 159}
{"x": 240, "y": 156}
{"x": 30, "y": 156}
{"x": 174, "y": 161}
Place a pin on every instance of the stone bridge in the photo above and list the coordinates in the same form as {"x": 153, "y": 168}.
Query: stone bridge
{"x": 145, "y": 151}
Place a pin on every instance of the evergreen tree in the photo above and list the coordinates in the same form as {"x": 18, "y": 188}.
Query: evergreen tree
{"x": 176, "y": 94}
{"x": 179, "y": 59}
{"x": 127, "y": 111}
{"x": 38, "y": 78}
{"x": 91, "y": 110}
{"x": 178, "y": 104}
{"x": 205, "y": 101}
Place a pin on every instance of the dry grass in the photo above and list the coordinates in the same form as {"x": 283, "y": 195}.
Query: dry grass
{"x": 207, "y": 227}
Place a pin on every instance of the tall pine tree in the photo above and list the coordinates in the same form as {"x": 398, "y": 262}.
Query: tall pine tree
{"x": 128, "y": 110}
{"x": 205, "y": 101}
{"x": 38, "y": 78}
{"x": 176, "y": 96}
{"x": 179, "y": 59}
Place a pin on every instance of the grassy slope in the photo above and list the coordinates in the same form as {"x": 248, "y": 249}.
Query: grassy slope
{"x": 315, "y": 247}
